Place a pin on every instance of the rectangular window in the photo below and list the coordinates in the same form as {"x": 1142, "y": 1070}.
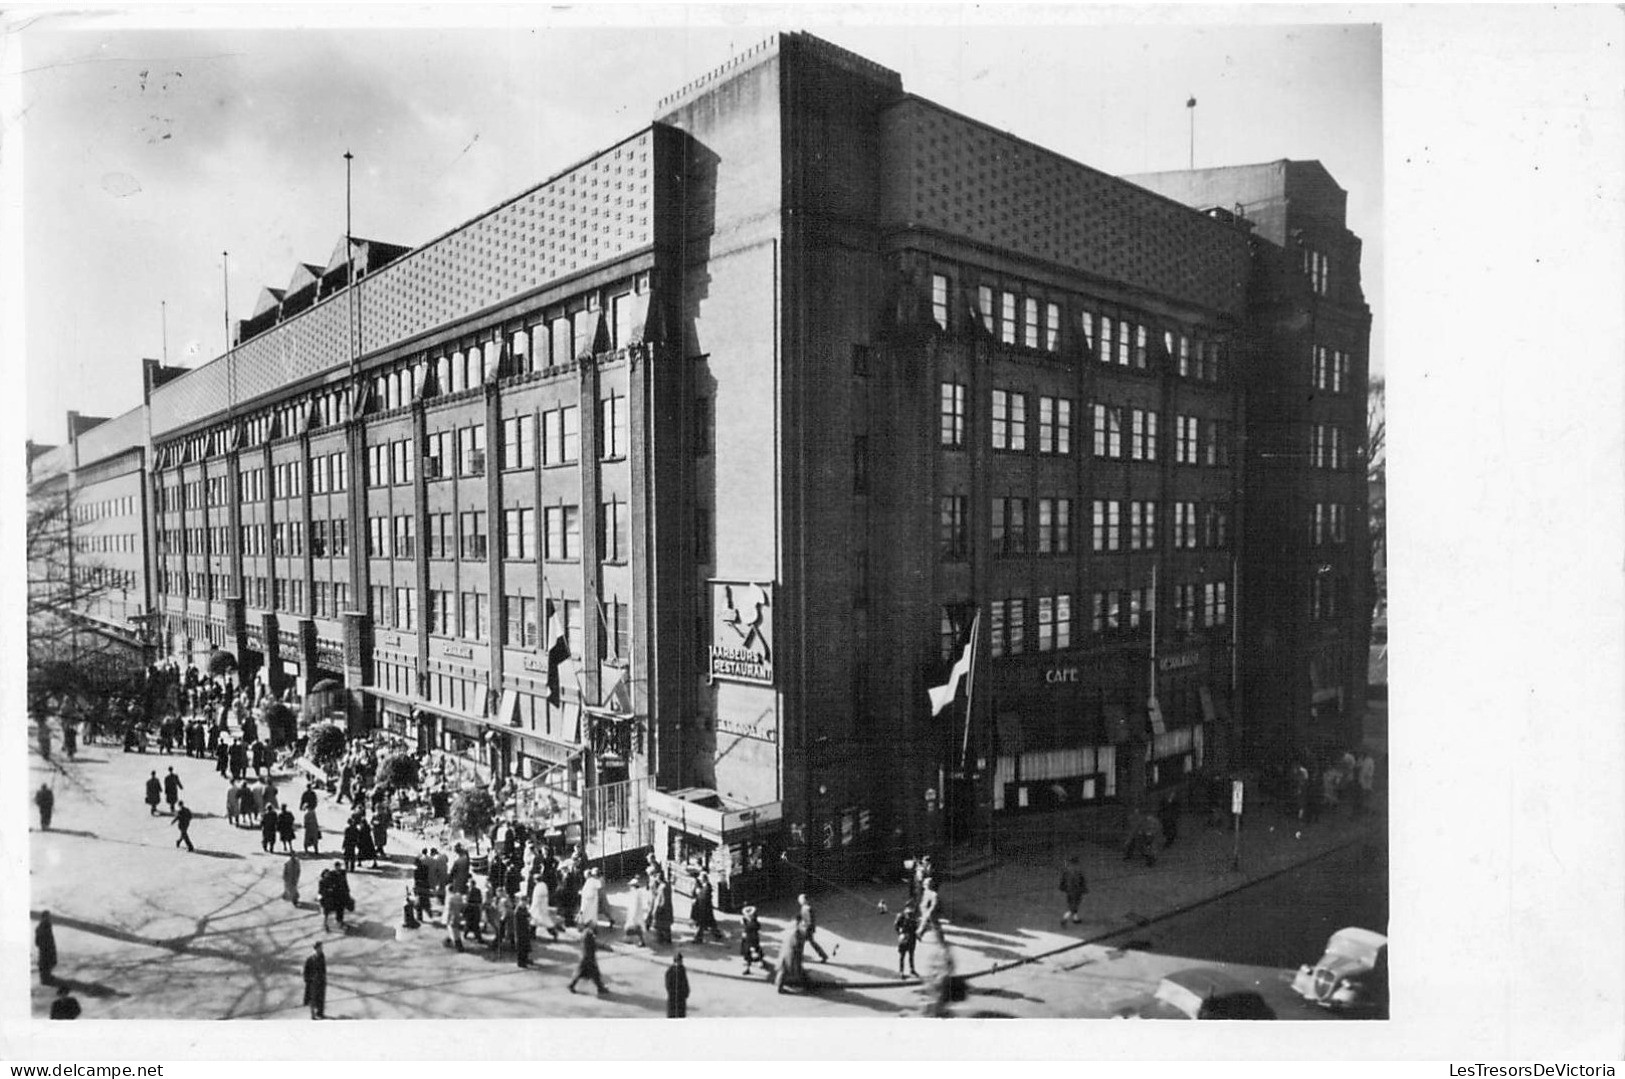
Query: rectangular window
{"x": 1029, "y": 322}
{"x": 613, "y": 542}
{"x": 437, "y": 450}
{"x": 1054, "y": 525}
{"x": 1142, "y": 435}
{"x": 1104, "y": 345}
{"x": 953, "y": 415}
{"x": 562, "y": 341}
{"x": 518, "y": 533}
{"x": 1184, "y": 526}
{"x": 1215, "y": 605}
{"x": 471, "y": 451}
{"x": 1108, "y": 431}
{"x": 1107, "y": 532}
{"x": 561, "y": 435}
{"x": 318, "y": 539}
{"x": 405, "y": 545}
{"x": 939, "y": 300}
{"x": 471, "y": 531}
{"x": 1142, "y": 526}
{"x": 519, "y": 622}
{"x": 612, "y": 431}
{"x": 406, "y": 608}
{"x": 1215, "y": 525}
{"x": 1339, "y": 522}
{"x": 437, "y": 541}
{"x": 402, "y": 462}
{"x": 1052, "y": 327}
{"x": 1009, "y": 526}
{"x": 984, "y": 307}
{"x": 518, "y": 442}
{"x": 1054, "y": 425}
{"x": 1185, "y": 612}
{"x": 1186, "y": 440}
{"x": 1007, "y": 317}
{"x": 437, "y": 614}
{"x": 563, "y": 532}
{"x": 572, "y": 626}
{"x": 1216, "y": 442}
{"x": 1009, "y": 420}
{"x": 1139, "y": 347}
{"x": 474, "y": 624}
{"x": 954, "y": 527}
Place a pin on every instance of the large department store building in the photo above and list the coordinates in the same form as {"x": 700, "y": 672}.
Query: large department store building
{"x": 766, "y": 410}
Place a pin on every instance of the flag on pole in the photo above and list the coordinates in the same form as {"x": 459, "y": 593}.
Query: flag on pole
{"x": 558, "y": 651}
{"x": 942, "y": 696}
{"x": 617, "y": 695}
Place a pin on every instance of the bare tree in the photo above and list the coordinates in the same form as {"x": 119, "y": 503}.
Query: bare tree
{"x": 69, "y": 665}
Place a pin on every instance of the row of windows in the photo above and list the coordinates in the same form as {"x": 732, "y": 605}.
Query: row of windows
{"x": 123, "y": 542}
{"x": 1115, "y": 526}
{"x": 105, "y": 577}
{"x": 1017, "y": 319}
{"x": 107, "y": 507}
{"x": 1329, "y": 596}
{"x": 1198, "y": 440}
{"x": 1113, "y": 611}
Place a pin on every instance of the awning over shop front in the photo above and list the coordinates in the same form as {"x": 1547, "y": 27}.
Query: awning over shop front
{"x": 703, "y": 812}
{"x": 401, "y": 702}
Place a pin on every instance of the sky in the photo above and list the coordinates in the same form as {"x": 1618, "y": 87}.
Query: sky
{"x": 150, "y": 150}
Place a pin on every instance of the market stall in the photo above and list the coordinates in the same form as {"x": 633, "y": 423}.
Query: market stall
{"x": 698, "y": 830}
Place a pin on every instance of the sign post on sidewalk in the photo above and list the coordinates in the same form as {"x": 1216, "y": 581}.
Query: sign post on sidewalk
{"x": 1236, "y": 793}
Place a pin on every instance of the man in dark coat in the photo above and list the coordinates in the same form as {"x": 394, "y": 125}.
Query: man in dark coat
{"x": 268, "y": 830}
{"x": 677, "y": 989}
{"x": 183, "y": 821}
{"x": 172, "y": 789}
{"x": 351, "y": 843}
{"x": 45, "y": 799}
{"x": 237, "y": 759}
{"x": 587, "y": 965}
{"x": 155, "y": 792}
{"x": 522, "y": 931}
{"x": 45, "y": 941}
{"x": 333, "y": 890}
{"x": 1074, "y": 887}
{"x": 307, "y": 800}
{"x": 907, "y": 926}
{"x": 316, "y": 982}
{"x": 222, "y": 754}
{"x": 286, "y": 830}
{"x": 702, "y": 912}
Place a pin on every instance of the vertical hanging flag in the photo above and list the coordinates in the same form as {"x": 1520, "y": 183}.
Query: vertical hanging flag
{"x": 558, "y": 651}
{"x": 942, "y": 696}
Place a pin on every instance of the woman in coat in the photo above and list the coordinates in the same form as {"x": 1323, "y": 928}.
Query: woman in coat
{"x": 541, "y": 913}
{"x": 662, "y": 914}
{"x": 352, "y": 843}
{"x": 234, "y": 803}
{"x": 365, "y": 849}
{"x": 285, "y": 831}
{"x": 313, "y": 832}
{"x": 380, "y": 835}
{"x": 789, "y": 967}
{"x": 474, "y": 913}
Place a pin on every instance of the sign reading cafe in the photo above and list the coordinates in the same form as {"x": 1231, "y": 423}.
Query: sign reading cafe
{"x": 741, "y": 632}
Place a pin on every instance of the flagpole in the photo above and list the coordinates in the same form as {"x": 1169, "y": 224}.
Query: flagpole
{"x": 970, "y": 685}
{"x": 1190, "y": 107}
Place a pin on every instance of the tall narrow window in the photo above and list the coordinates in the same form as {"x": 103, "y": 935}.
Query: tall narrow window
{"x": 954, "y": 527}
{"x": 1007, "y": 317}
{"x": 953, "y": 415}
{"x": 939, "y": 300}
{"x": 613, "y": 431}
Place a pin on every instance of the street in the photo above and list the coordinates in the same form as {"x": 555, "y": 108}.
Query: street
{"x": 147, "y": 930}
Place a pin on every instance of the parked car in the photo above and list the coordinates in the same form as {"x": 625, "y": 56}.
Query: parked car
{"x": 1201, "y": 993}
{"x": 1351, "y": 976}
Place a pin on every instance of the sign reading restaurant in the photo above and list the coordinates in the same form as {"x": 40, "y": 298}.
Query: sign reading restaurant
{"x": 741, "y": 632}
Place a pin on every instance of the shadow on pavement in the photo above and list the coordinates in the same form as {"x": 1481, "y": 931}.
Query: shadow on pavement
{"x": 88, "y": 989}
{"x": 218, "y": 854}
{"x": 67, "y": 831}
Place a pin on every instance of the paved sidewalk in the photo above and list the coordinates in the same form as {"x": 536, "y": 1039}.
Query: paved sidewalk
{"x": 1011, "y": 913}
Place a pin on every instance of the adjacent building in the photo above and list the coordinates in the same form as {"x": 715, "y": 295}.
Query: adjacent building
{"x": 667, "y": 489}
